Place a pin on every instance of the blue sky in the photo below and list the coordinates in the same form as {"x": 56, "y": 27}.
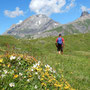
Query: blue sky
{"x": 62, "y": 11}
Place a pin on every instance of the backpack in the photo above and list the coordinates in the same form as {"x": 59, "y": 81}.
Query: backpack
{"x": 59, "y": 40}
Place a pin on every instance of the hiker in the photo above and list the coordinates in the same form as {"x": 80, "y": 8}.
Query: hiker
{"x": 60, "y": 44}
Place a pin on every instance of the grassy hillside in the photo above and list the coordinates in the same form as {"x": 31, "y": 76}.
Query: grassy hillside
{"x": 74, "y": 63}
{"x": 73, "y": 28}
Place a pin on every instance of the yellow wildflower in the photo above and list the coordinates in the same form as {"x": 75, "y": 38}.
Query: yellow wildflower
{"x": 67, "y": 84}
{"x": 71, "y": 72}
{"x": 8, "y": 65}
{"x": 41, "y": 79}
{"x": 21, "y": 55}
{"x": 38, "y": 69}
{"x": 15, "y": 76}
{"x": 15, "y": 70}
{"x": 1, "y": 60}
{"x": 8, "y": 56}
{"x": 66, "y": 87}
{"x": 57, "y": 85}
{"x": 30, "y": 75}
{"x": 50, "y": 80}
{"x": 46, "y": 73}
{"x": 60, "y": 85}
{"x": 43, "y": 84}
{"x": 43, "y": 76}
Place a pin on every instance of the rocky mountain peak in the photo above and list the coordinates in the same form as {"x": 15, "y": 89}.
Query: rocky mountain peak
{"x": 42, "y": 16}
{"x": 33, "y": 25}
{"x": 84, "y": 13}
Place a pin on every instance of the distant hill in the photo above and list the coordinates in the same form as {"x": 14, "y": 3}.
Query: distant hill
{"x": 38, "y": 26}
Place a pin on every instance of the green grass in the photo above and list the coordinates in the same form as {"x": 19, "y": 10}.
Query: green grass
{"x": 58, "y": 29}
{"x": 74, "y": 63}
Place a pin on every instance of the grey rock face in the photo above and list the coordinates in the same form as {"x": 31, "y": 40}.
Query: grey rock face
{"x": 32, "y": 25}
{"x": 84, "y": 13}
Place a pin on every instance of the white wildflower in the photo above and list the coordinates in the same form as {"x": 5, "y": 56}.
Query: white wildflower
{"x": 28, "y": 80}
{"x": 35, "y": 65}
{"x": 19, "y": 63}
{"x": 54, "y": 71}
{"x": 50, "y": 68}
{"x": 47, "y": 66}
{"x": 5, "y": 71}
{"x": 38, "y": 63}
{"x": 11, "y": 72}
{"x": 3, "y": 75}
{"x": 24, "y": 76}
{"x": 35, "y": 87}
{"x": 19, "y": 58}
{"x": 31, "y": 69}
{"x": 12, "y": 57}
{"x": 11, "y": 84}
{"x": 36, "y": 73}
{"x": 38, "y": 77}
{"x": 20, "y": 74}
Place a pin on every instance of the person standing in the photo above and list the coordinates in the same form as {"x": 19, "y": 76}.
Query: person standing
{"x": 60, "y": 43}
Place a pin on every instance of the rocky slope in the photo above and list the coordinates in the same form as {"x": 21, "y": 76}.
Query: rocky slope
{"x": 35, "y": 24}
{"x": 81, "y": 25}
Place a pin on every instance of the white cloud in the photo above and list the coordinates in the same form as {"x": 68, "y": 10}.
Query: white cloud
{"x": 13, "y": 14}
{"x": 70, "y": 5}
{"x": 20, "y": 21}
{"x": 50, "y": 6}
{"x": 83, "y": 8}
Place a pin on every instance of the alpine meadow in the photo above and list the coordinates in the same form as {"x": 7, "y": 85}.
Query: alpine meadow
{"x": 35, "y": 64}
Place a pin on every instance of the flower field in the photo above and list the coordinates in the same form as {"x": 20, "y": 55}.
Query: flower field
{"x": 23, "y": 72}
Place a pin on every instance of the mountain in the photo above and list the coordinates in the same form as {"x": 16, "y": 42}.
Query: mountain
{"x": 80, "y": 25}
{"x": 35, "y": 24}
{"x": 40, "y": 25}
